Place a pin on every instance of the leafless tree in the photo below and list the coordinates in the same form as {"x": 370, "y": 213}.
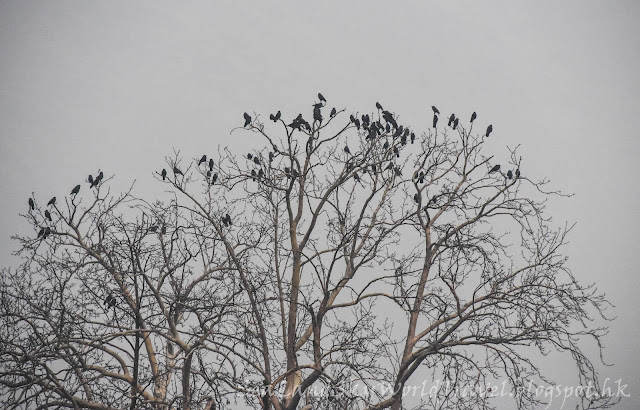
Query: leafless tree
{"x": 337, "y": 267}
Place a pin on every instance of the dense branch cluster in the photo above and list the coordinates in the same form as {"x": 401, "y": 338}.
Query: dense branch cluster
{"x": 336, "y": 259}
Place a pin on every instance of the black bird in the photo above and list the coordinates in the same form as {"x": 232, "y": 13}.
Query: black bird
{"x": 271, "y": 156}
{"x": 386, "y": 145}
{"x": 495, "y": 168}
{"x": 110, "y": 301}
{"x": 403, "y": 139}
{"x": 435, "y": 110}
{"x": 435, "y": 120}
{"x": 47, "y": 215}
{"x": 396, "y": 151}
{"x": 228, "y": 219}
{"x": 261, "y": 173}
{"x": 253, "y": 174}
{"x": 373, "y": 168}
{"x": 434, "y": 200}
{"x": 421, "y": 177}
{"x": 473, "y": 116}
{"x": 453, "y": 117}
{"x": 388, "y": 117}
{"x": 517, "y": 173}
{"x": 378, "y": 106}
{"x": 75, "y": 190}
{"x": 277, "y": 116}
{"x": 247, "y": 119}
{"x": 387, "y": 128}
{"x": 164, "y": 174}
{"x": 41, "y": 233}
{"x": 356, "y": 177}
{"x": 52, "y": 201}
{"x": 208, "y": 173}
{"x": 202, "y": 160}
{"x": 90, "y": 179}
{"x": 153, "y": 228}
{"x": 510, "y": 174}
{"x": 357, "y": 123}
{"x": 214, "y": 179}
{"x": 97, "y": 179}
{"x": 416, "y": 198}
{"x": 455, "y": 124}
{"x": 390, "y": 166}
{"x": 413, "y": 137}
{"x": 317, "y": 115}
{"x": 352, "y": 118}
{"x": 271, "y": 117}
{"x": 177, "y": 171}
{"x": 163, "y": 230}
{"x": 211, "y": 164}
{"x": 32, "y": 204}
{"x": 47, "y": 232}
{"x": 321, "y": 97}
{"x": 249, "y": 156}
{"x": 256, "y": 160}
{"x": 333, "y": 112}
{"x": 489, "y": 129}
{"x": 347, "y": 150}
{"x": 398, "y": 171}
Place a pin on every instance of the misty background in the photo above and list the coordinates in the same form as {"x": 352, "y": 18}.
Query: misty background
{"x": 118, "y": 86}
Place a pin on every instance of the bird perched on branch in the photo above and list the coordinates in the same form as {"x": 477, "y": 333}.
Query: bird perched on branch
{"x": 453, "y": 117}
{"x": 435, "y": 120}
{"x": 47, "y": 215}
{"x": 176, "y": 171}
{"x": 202, "y": 160}
{"x": 435, "y": 110}
{"x": 495, "y": 168}
{"x": 509, "y": 174}
{"x": 247, "y": 119}
{"x": 52, "y": 201}
{"x": 378, "y": 106}
{"x": 473, "y": 116}
{"x": 333, "y": 112}
{"x": 347, "y": 150}
{"x": 164, "y": 174}
{"x": 75, "y": 190}
{"x": 489, "y": 129}
{"x": 32, "y": 205}
{"x": 321, "y": 98}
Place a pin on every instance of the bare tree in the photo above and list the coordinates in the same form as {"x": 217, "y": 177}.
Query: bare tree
{"x": 332, "y": 268}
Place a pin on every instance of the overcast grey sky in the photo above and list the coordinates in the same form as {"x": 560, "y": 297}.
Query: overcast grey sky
{"x": 119, "y": 85}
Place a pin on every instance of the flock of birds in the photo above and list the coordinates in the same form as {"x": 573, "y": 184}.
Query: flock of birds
{"x": 45, "y": 231}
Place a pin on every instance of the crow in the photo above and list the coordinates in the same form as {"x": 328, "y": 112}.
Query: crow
{"x": 271, "y": 117}
{"x": 271, "y": 156}
{"x": 90, "y": 179}
{"x": 164, "y": 174}
{"x": 517, "y": 173}
{"x": 333, "y": 112}
{"x": 110, "y": 301}
{"x": 277, "y": 116}
{"x": 47, "y": 215}
{"x": 396, "y": 151}
{"x": 247, "y": 119}
{"x": 249, "y": 156}
{"x": 321, "y": 98}
{"x": 228, "y": 218}
{"x": 97, "y": 179}
{"x": 32, "y": 204}
{"x": 47, "y": 232}
{"x": 510, "y": 174}
{"x": 455, "y": 124}
{"x": 214, "y": 179}
{"x": 495, "y": 168}
{"x": 208, "y": 173}
{"x": 356, "y": 177}
{"x": 176, "y": 171}
{"x": 317, "y": 115}
{"x": 489, "y": 129}
{"x": 163, "y": 230}
{"x": 202, "y": 160}
{"x": 41, "y": 233}
{"x": 435, "y": 110}
{"x": 52, "y": 201}
{"x": 453, "y": 117}
{"x": 211, "y": 164}
{"x": 473, "y": 116}
{"x": 261, "y": 173}
{"x": 413, "y": 137}
{"x": 357, "y": 123}
{"x": 253, "y": 174}
{"x": 435, "y": 120}
{"x": 388, "y": 117}
{"x": 390, "y": 166}
{"x": 347, "y": 150}
{"x": 403, "y": 139}
{"x": 153, "y": 228}
{"x": 75, "y": 190}
{"x": 378, "y": 106}
{"x": 416, "y": 198}
{"x": 256, "y": 160}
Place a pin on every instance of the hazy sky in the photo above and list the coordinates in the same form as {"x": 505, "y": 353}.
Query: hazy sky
{"x": 119, "y": 85}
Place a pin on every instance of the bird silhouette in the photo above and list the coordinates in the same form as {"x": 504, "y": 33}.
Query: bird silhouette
{"x": 413, "y": 137}
{"x": 47, "y": 232}
{"x": 249, "y": 156}
{"x": 386, "y": 145}
{"x": 509, "y": 174}
{"x": 473, "y": 116}
{"x": 254, "y": 174}
{"x": 247, "y": 119}
{"x": 97, "y": 179}
{"x": 396, "y": 151}
{"x": 317, "y": 115}
{"x": 47, "y": 215}
{"x": 75, "y": 190}
{"x": 321, "y": 97}
{"x": 357, "y": 123}
{"x": 455, "y": 123}
{"x": 453, "y": 117}
{"x": 176, "y": 171}
{"x": 277, "y": 116}
{"x": 347, "y": 150}
{"x": 153, "y": 228}
{"x": 208, "y": 173}
{"x": 435, "y": 110}
{"x": 228, "y": 218}
{"x": 214, "y": 179}
{"x": 378, "y": 106}
{"x": 517, "y": 173}
{"x": 435, "y": 120}
{"x": 271, "y": 156}
{"x": 261, "y": 173}
{"x": 164, "y": 174}
{"x": 90, "y": 179}
{"x": 403, "y": 140}
{"x": 163, "y": 230}
{"x": 356, "y": 177}
{"x": 110, "y": 301}
{"x": 210, "y": 164}
{"x": 489, "y": 129}
{"x": 202, "y": 160}
{"x": 333, "y": 112}
{"x": 52, "y": 201}
{"x": 495, "y": 168}
{"x": 256, "y": 160}
{"x": 416, "y": 198}
{"x": 32, "y": 204}
{"x": 41, "y": 232}
{"x": 390, "y": 166}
